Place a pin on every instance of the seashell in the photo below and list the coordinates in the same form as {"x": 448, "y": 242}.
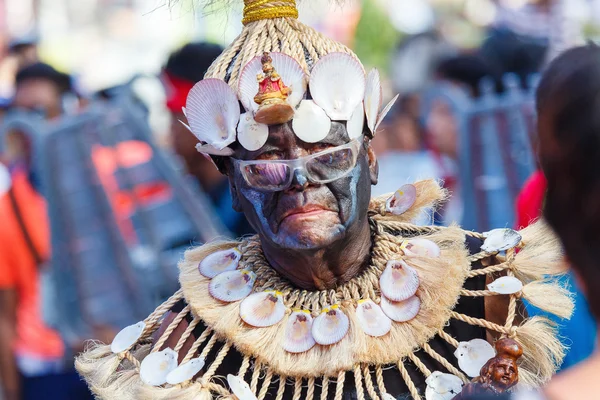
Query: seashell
{"x": 506, "y": 285}
{"x": 373, "y": 98}
{"x": 399, "y": 281}
{"x": 156, "y": 366}
{"x": 387, "y": 396}
{"x": 500, "y": 239}
{"x": 356, "y": 123}
{"x": 185, "y": 371}
{"x": 310, "y": 122}
{"x": 442, "y": 386}
{"x": 263, "y": 309}
{"x": 371, "y": 318}
{"x": 385, "y": 111}
{"x": 213, "y": 112}
{"x": 330, "y": 326}
{"x": 232, "y": 286}
{"x": 472, "y": 355}
{"x": 240, "y": 388}
{"x": 289, "y": 70}
{"x": 212, "y": 150}
{"x": 421, "y": 248}
{"x": 330, "y": 86}
{"x": 252, "y": 135}
{"x": 127, "y": 337}
{"x": 220, "y": 261}
{"x": 401, "y": 311}
{"x": 298, "y": 336}
{"x": 402, "y": 200}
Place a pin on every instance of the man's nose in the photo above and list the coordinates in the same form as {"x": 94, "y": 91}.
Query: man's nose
{"x": 299, "y": 181}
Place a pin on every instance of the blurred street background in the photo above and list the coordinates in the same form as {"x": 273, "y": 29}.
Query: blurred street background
{"x": 101, "y": 189}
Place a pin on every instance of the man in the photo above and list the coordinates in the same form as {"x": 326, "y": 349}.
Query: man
{"x": 337, "y": 291}
{"x": 184, "y": 68}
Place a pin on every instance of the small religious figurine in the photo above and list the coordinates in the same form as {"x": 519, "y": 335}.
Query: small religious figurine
{"x": 272, "y": 95}
{"x": 497, "y": 375}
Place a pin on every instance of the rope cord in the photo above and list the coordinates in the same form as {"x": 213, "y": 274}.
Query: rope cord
{"x": 360, "y": 394}
{"x": 339, "y": 388}
{"x": 369, "y": 383}
{"x": 172, "y": 326}
{"x": 265, "y": 386}
{"x": 409, "y": 382}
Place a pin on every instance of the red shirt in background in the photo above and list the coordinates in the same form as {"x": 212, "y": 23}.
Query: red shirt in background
{"x": 531, "y": 199}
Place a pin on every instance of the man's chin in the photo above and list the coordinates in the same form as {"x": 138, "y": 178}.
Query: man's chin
{"x": 308, "y": 236}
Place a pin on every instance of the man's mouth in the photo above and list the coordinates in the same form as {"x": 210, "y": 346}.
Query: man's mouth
{"x": 309, "y": 210}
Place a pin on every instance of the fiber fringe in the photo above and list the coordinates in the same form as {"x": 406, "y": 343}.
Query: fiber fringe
{"x": 550, "y": 296}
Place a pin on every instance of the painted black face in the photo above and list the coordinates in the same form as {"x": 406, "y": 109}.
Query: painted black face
{"x": 306, "y": 215}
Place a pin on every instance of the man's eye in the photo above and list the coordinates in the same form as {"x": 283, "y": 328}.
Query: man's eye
{"x": 318, "y": 147}
{"x": 271, "y": 155}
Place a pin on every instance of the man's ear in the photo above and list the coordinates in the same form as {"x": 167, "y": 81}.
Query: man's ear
{"x": 235, "y": 197}
{"x": 373, "y": 165}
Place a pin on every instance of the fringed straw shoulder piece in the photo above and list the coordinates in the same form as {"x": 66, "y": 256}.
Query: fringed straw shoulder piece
{"x": 268, "y": 371}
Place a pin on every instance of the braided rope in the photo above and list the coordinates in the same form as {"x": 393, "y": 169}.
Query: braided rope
{"x": 451, "y": 368}
{"x": 218, "y": 360}
{"x": 127, "y": 355}
{"x": 483, "y": 323}
{"x": 379, "y": 376}
{"x": 265, "y": 386}
{"x": 244, "y": 367}
{"x": 281, "y": 389}
{"x": 310, "y": 393}
{"x": 209, "y": 346}
{"x": 196, "y": 345}
{"x": 172, "y": 326}
{"x": 268, "y": 9}
{"x": 153, "y": 320}
{"x": 417, "y": 361}
{"x": 488, "y": 270}
{"x": 449, "y": 339}
{"x": 255, "y": 375}
{"x": 325, "y": 388}
{"x": 408, "y": 380}
{"x": 297, "y": 388}
{"x": 339, "y": 388}
{"x": 186, "y": 334}
{"x": 358, "y": 383}
{"x": 369, "y": 383}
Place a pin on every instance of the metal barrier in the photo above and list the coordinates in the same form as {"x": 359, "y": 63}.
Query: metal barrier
{"x": 121, "y": 215}
{"x": 495, "y": 148}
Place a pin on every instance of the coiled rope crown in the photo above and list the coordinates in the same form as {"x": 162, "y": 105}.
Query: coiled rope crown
{"x": 256, "y": 10}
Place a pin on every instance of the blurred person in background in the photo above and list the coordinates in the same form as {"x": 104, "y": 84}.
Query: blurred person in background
{"x": 24, "y": 50}
{"x": 31, "y": 353}
{"x": 184, "y": 68}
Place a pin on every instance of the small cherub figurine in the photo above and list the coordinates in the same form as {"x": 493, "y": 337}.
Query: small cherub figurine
{"x": 497, "y": 375}
{"x": 272, "y": 95}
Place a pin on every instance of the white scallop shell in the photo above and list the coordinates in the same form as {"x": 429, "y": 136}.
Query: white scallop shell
{"x": 240, "y": 388}
{"x": 213, "y": 112}
{"x": 506, "y": 285}
{"x": 232, "y": 286}
{"x": 185, "y": 371}
{"x": 402, "y": 200}
{"x": 337, "y": 84}
{"x": 298, "y": 332}
{"x": 127, "y": 337}
{"x": 219, "y": 261}
{"x": 212, "y": 150}
{"x": 399, "y": 281}
{"x": 330, "y": 326}
{"x": 500, "y": 239}
{"x": 251, "y": 134}
{"x": 289, "y": 70}
{"x": 156, "y": 366}
{"x": 372, "y": 319}
{"x": 373, "y": 98}
{"x": 263, "y": 309}
{"x": 356, "y": 123}
{"x": 442, "y": 386}
{"x": 385, "y": 111}
{"x": 421, "y": 248}
{"x": 401, "y": 311}
{"x": 310, "y": 122}
{"x": 387, "y": 396}
{"x": 472, "y": 355}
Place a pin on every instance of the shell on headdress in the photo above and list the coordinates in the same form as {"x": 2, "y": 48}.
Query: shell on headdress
{"x": 298, "y": 332}
{"x": 500, "y": 239}
{"x": 337, "y": 84}
{"x": 263, "y": 309}
{"x": 442, "y": 386}
{"x": 372, "y": 319}
{"x": 289, "y": 70}
{"x": 506, "y": 285}
{"x": 311, "y": 124}
{"x": 240, "y": 388}
{"x": 399, "y": 281}
{"x": 387, "y": 396}
{"x": 251, "y": 134}
{"x": 356, "y": 123}
{"x": 402, "y": 200}
{"x": 219, "y": 261}
{"x": 385, "y": 111}
{"x": 401, "y": 311}
{"x": 213, "y": 112}
{"x": 232, "y": 286}
{"x": 185, "y": 371}
{"x": 213, "y": 151}
{"x": 472, "y": 355}
{"x": 156, "y": 366}
{"x": 330, "y": 326}
{"x": 127, "y": 337}
{"x": 421, "y": 248}
{"x": 373, "y": 98}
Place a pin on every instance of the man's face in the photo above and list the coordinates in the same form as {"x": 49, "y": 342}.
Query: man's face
{"x": 505, "y": 374}
{"x": 305, "y": 215}
{"x": 39, "y": 95}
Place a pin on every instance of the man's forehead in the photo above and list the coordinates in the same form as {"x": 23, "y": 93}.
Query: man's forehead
{"x": 282, "y": 135}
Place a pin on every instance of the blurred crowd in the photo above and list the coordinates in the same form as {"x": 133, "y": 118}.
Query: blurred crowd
{"x": 423, "y": 137}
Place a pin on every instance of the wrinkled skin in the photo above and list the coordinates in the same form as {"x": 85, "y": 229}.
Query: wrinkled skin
{"x": 315, "y": 235}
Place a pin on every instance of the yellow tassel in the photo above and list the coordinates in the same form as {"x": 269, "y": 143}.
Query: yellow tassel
{"x": 550, "y": 296}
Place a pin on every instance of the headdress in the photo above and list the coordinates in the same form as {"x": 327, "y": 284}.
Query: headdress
{"x": 281, "y": 70}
